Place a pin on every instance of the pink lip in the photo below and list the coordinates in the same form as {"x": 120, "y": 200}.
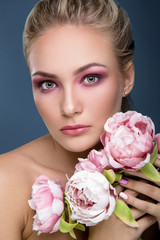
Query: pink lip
{"x": 75, "y": 129}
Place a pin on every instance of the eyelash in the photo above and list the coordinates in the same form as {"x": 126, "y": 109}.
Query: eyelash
{"x": 97, "y": 76}
{"x": 83, "y": 81}
{"x": 40, "y": 85}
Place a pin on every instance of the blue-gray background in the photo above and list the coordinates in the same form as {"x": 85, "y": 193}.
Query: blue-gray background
{"x": 19, "y": 119}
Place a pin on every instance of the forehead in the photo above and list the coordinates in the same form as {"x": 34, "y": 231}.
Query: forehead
{"x": 70, "y": 46}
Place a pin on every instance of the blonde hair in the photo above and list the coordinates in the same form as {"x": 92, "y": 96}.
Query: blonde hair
{"x": 102, "y": 15}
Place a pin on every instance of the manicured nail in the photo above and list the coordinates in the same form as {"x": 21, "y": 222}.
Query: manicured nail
{"x": 123, "y": 195}
{"x": 123, "y": 181}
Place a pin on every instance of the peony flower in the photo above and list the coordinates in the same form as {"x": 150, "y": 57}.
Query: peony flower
{"x": 157, "y": 139}
{"x": 47, "y": 201}
{"x": 91, "y": 197}
{"x": 95, "y": 161}
{"x": 128, "y": 140}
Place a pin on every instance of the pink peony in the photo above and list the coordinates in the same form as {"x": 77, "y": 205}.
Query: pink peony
{"x": 96, "y": 161}
{"x": 128, "y": 140}
{"x": 47, "y": 201}
{"x": 157, "y": 139}
{"x": 91, "y": 197}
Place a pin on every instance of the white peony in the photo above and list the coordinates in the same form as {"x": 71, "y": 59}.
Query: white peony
{"x": 91, "y": 197}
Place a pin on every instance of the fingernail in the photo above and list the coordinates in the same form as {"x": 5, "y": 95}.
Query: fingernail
{"x": 123, "y": 195}
{"x": 123, "y": 181}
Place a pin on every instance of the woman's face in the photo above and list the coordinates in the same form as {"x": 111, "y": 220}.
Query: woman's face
{"x": 77, "y": 85}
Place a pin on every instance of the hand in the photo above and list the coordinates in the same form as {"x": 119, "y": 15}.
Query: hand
{"x": 114, "y": 229}
{"x": 152, "y": 205}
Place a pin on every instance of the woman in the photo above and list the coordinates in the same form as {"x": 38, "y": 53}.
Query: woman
{"x": 80, "y": 57}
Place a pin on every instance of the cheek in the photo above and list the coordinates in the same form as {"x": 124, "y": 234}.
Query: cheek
{"x": 40, "y": 105}
{"x": 46, "y": 108}
{"x": 105, "y": 102}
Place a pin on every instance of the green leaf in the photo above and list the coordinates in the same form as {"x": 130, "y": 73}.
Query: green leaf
{"x": 127, "y": 174}
{"x": 154, "y": 154}
{"x": 115, "y": 184}
{"x": 123, "y": 212}
{"x": 110, "y": 175}
{"x": 150, "y": 171}
{"x": 118, "y": 177}
{"x": 65, "y": 226}
{"x": 69, "y": 211}
{"x": 80, "y": 227}
{"x": 72, "y": 234}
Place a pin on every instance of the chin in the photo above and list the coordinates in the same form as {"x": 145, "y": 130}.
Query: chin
{"x": 79, "y": 144}
{"x": 77, "y": 149}
{"x": 82, "y": 147}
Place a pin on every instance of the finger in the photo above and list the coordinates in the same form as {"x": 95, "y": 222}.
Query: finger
{"x": 144, "y": 206}
{"x": 143, "y": 188}
{"x": 142, "y": 176}
{"x": 131, "y": 192}
{"x": 138, "y": 174}
{"x": 119, "y": 189}
{"x": 137, "y": 213}
{"x": 145, "y": 222}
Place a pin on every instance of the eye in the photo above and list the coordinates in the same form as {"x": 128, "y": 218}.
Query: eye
{"x": 91, "y": 79}
{"x": 48, "y": 85}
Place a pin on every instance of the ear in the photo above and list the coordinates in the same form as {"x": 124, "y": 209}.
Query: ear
{"x": 129, "y": 79}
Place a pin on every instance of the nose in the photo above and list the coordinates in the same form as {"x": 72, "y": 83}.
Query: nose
{"x": 70, "y": 103}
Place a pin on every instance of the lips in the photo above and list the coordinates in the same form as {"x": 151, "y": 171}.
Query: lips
{"x": 75, "y": 129}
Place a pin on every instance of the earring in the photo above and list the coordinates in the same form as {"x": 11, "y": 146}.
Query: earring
{"x": 125, "y": 93}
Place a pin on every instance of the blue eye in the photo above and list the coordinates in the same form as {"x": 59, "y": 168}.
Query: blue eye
{"x": 48, "y": 85}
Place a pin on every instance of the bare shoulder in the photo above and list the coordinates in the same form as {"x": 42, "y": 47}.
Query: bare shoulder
{"x": 30, "y": 158}
{"x": 20, "y": 168}
{"x": 15, "y": 167}
{"x": 18, "y": 171}
{"x": 15, "y": 183}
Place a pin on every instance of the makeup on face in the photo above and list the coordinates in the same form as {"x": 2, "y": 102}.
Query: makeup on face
{"x": 40, "y": 78}
{"x": 75, "y": 129}
{"x": 88, "y": 76}
{"x": 92, "y": 76}
{"x": 76, "y": 84}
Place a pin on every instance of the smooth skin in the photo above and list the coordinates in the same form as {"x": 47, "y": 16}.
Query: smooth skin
{"x": 144, "y": 187}
{"x": 73, "y": 97}
{"x": 76, "y": 80}
{"x": 145, "y": 212}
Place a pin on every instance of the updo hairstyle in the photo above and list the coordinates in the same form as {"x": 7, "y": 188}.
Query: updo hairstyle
{"x": 102, "y": 15}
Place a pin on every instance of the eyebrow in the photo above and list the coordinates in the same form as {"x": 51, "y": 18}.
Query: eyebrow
{"x": 83, "y": 68}
{"x": 76, "y": 72}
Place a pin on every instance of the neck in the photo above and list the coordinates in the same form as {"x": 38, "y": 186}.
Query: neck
{"x": 66, "y": 160}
